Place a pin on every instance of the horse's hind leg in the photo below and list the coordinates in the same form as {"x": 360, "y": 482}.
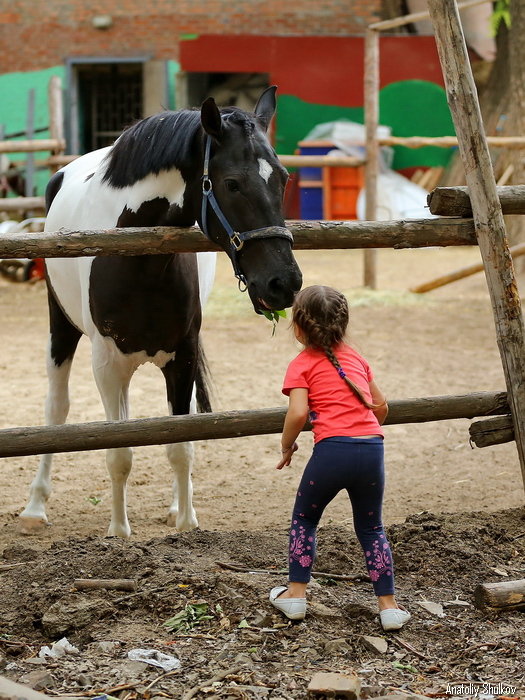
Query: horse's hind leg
{"x": 113, "y": 372}
{"x": 63, "y": 341}
{"x": 180, "y": 376}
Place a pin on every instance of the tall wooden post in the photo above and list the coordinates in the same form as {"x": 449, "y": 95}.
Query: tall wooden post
{"x": 371, "y": 89}
{"x": 488, "y": 218}
{"x": 56, "y": 114}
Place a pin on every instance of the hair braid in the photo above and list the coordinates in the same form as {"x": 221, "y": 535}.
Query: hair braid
{"x": 355, "y": 389}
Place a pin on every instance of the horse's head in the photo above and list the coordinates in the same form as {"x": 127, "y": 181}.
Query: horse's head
{"x": 243, "y": 189}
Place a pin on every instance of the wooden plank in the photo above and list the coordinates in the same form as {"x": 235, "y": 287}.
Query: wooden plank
{"x": 30, "y": 132}
{"x": 320, "y": 161}
{"x": 33, "y": 146}
{"x": 416, "y": 17}
{"x": 371, "y": 90}
{"x": 507, "y": 595}
{"x": 455, "y": 201}
{"x": 308, "y": 235}
{"x": 488, "y": 217}
{"x": 22, "y": 204}
{"x": 56, "y": 116}
{"x": 18, "y": 442}
{"x": 460, "y": 274}
{"x": 492, "y": 431}
{"x": 514, "y": 142}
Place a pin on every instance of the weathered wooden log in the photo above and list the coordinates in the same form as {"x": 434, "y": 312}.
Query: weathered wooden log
{"x": 449, "y": 141}
{"x": 303, "y": 161}
{"x": 492, "y": 431}
{"x": 386, "y": 24}
{"x": 455, "y": 201}
{"x": 308, "y": 235}
{"x": 460, "y": 274}
{"x": 32, "y": 146}
{"x": 22, "y": 203}
{"x": 118, "y": 584}
{"x": 503, "y": 595}
{"x": 488, "y": 217}
{"x": 17, "y": 442}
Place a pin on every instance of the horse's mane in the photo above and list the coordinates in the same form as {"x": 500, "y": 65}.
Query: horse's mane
{"x": 161, "y": 142}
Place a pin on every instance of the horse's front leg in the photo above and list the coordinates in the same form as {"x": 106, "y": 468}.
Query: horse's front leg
{"x": 63, "y": 341}
{"x": 33, "y": 518}
{"x": 180, "y": 379}
{"x": 112, "y": 372}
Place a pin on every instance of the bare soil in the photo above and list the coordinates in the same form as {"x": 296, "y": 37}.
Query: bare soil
{"x": 455, "y": 514}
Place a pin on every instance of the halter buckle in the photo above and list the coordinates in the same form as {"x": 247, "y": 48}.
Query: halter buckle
{"x": 236, "y": 241}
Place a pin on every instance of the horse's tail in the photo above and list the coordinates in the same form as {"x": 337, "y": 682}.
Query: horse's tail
{"x": 202, "y": 381}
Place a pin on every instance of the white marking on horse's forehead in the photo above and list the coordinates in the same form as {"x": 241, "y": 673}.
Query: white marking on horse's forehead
{"x": 265, "y": 169}
{"x": 168, "y": 183}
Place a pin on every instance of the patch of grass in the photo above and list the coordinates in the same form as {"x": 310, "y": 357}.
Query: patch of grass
{"x": 384, "y": 297}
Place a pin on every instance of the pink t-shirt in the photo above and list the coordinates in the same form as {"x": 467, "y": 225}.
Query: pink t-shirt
{"x": 334, "y": 409}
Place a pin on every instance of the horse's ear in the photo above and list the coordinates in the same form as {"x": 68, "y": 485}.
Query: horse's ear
{"x": 211, "y": 118}
{"x": 265, "y": 107}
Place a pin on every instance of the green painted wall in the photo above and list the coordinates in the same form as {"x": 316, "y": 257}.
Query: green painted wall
{"x": 172, "y": 68}
{"x": 296, "y": 118}
{"x": 411, "y": 107}
{"x": 14, "y": 89}
{"x": 417, "y": 108}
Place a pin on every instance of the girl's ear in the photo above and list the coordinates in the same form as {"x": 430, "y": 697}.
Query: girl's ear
{"x": 211, "y": 118}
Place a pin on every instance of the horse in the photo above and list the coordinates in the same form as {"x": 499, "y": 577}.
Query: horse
{"x": 212, "y": 166}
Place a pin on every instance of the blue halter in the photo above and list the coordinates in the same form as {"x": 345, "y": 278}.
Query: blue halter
{"x": 237, "y": 239}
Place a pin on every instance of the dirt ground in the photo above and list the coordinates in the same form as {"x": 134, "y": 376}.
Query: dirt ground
{"x": 455, "y": 514}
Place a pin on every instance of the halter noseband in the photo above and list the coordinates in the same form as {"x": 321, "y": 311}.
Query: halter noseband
{"x": 236, "y": 239}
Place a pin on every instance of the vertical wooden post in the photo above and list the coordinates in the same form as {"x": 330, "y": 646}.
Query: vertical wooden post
{"x": 56, "y": 113}
{"x": 371, "y": 89}
{"x": 486, "y": 208}
{"x": 30, "y": 135}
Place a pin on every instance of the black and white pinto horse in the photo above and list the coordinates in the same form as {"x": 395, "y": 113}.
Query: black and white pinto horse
{"x": 212, "y": 166}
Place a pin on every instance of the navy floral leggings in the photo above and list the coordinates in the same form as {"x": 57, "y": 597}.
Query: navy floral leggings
{"x": 357, "y": 465}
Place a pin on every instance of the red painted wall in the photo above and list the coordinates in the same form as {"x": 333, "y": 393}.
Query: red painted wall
{"x": 324, "y": 70}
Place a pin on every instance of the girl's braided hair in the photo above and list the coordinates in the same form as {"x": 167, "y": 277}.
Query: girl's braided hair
{"x": 322, "y": 315}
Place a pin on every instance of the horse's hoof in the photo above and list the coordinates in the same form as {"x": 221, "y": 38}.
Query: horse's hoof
{"x": 119, "y": 531}
{"x": 187, "y": 524}
{"x": 31, "y": 526}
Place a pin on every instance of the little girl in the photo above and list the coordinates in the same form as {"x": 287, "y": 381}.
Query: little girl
{"x": 333, "y": 386}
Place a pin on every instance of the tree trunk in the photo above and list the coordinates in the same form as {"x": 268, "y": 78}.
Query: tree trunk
{"x": 493, "y": 98}
{"x": 516, "y": 107}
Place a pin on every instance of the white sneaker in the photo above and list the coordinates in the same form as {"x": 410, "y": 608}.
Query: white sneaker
{"x": 293, "y": 608}
{"x": 394, "y": 618}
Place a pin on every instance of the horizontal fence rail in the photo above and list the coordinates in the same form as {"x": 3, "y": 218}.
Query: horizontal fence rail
{"x": 455, "y": 201}
{"x": 78, "y": 437}
{"x": 308, "y": 235}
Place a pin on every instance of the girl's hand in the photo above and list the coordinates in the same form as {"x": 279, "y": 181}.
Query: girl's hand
{"x": 287, "y": 456}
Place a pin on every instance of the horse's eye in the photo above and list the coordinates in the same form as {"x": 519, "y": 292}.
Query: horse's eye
{"x": 232, "y": 185}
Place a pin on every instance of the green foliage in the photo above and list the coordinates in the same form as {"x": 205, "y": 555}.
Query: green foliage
{"x": 404, "y": 667}
{"x": 94, "y": 500}
{"x": 274, "y": 317}
{"x": 500, "y": 14}
{"x": 188, "y": 618}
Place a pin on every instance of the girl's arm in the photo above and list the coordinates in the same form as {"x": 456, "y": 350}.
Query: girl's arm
{"x": 379, "y": 399}
{"x": 296, "y": 417}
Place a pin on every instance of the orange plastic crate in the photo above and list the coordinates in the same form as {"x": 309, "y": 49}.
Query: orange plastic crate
{"x": 341, "y": 187}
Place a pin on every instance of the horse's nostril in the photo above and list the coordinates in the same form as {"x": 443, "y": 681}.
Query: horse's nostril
{"x": 276, "y": 285}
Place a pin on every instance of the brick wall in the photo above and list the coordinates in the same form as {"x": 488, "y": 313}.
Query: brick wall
{"x": 37, "y": 35}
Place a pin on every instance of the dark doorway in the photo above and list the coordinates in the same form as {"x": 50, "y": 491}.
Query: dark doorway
{"x": 238, "y": 89}
{"x": 105, "y": 96}
{"x": 109, "y": 98}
